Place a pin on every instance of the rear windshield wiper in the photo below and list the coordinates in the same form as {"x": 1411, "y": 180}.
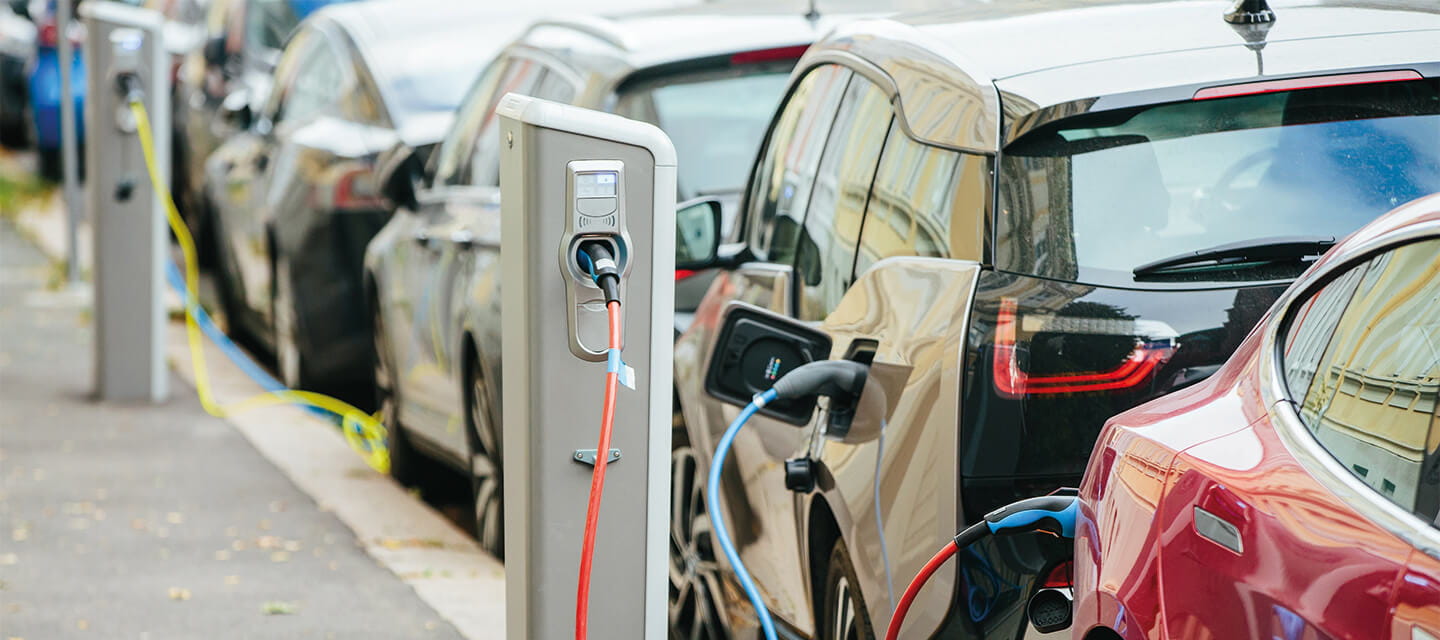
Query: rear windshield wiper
{"x": 1245, "y": 252}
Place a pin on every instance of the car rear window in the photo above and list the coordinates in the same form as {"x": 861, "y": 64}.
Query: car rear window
{"x": 1092, "y": 197}
{"x": 715, "y": 118}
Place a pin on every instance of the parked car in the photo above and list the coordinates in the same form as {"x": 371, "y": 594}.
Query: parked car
{"x": 1025, "y": 240}
{"x": 709, "y": 76}
{"x": 43, "y": 85}
{"x": 230, "y": 66}
{"x": 17, "y": 48}
{"x": 1294, "y": 493}
{"x": 294, "y": 193}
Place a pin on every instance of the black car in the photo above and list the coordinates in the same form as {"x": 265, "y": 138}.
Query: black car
{"x": 294, "y": 194}
{"x": 17, "y": 48}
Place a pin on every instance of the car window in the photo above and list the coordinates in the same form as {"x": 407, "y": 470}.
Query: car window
{"x": 268, "y": 22}
{"x": 716, "y": 118}
{"x": 319, "y": 82}
{"x": 825, "y": 257}
{"x": 295, "y": 56}
{"x": 781, "y": 185}
{"x": 527, "y": 77}
{"x": 1092, "y": 197}
{"x": 1362, "y": 363}
{"x": 918, "y": 191}
{"x": 461, "y": 139}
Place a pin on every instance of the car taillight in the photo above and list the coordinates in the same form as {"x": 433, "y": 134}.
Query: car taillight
{"x": 681, "y": 274}
{"x": 354, "y": 189}
{"x": 769, "y": 55}
{"x": 1012, "y": 382}
{"x": 1060, "y": 577}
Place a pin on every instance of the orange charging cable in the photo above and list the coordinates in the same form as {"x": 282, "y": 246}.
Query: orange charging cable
{"x": 597, "y": 478}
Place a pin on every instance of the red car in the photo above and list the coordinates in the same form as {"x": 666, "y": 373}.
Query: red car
{"x": 1294, "y": 494}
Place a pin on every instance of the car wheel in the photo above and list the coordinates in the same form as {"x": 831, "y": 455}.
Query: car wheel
{"x": 694, "y": 571}
{"x": 289, "y": 358}
{"x": 387, "y": 403}
{"x": 842, "y": 609}
{"x": 486, "y": 474}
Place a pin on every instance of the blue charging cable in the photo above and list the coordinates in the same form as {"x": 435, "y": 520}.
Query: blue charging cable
{"x": 717, "y": 520}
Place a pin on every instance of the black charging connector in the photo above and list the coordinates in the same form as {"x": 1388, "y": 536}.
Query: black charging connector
{"x": 128, "y": 86}
{"x": 595, "y": 258}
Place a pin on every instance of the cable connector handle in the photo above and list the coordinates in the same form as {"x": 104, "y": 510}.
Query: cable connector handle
{"x": 832, "y": 378}
{"x": 1052, "y": 514}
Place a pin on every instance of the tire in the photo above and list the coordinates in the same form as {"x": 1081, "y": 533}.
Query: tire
{"x": 487, "y": 489}
{"x": 842, "y": 608}
{"x": 696, "y": 602}
{"x": 387, "y": 401}
{"x": 285, "y": 329}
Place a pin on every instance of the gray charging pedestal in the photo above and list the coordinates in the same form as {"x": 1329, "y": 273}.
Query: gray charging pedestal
{"x": 127, "y": 216}
{"x": 565, "y": 173}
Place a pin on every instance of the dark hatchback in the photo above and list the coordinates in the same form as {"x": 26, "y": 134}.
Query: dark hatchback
{"x": 295, "y": 196}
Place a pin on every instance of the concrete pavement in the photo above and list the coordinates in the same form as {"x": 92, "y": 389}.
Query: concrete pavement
{"x": 161, "y": 522}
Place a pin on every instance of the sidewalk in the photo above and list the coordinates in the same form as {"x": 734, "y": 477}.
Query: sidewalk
{"x": 162, "y": 522}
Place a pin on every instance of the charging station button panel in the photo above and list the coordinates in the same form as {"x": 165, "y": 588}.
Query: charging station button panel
{"x": 596, "y": 200}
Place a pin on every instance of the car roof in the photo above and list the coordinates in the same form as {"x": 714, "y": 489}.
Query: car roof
{"x": 615, "y": 45}
{"x": 1040, "y": 54}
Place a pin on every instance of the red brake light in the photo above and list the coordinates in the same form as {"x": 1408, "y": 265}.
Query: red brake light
{"x": 769, "y": 55}
{"x": 1313, "y": 82}
{"x": 681, "y": 274}
{"x": 352, "y": 190}
{"x": 1060, "y": 577}
{"x": 1011, "y": 382}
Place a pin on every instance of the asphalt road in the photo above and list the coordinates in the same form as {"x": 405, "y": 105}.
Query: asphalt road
{"x": 156, "y": 522}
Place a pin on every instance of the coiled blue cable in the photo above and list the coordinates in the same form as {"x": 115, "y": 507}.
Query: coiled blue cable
{"x": 712, "y": 504}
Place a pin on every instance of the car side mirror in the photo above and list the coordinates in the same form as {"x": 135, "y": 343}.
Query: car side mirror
{"x": 21, "y": 8}
{"x": 233, "y": 115}
{"x": 398, "y": 171}
{"x": 214, "y": 51}
{"x": 697, "y": 233}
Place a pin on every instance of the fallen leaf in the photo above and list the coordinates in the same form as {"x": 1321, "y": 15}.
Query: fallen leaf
{"x": 277, "y": 608}
{"x": 223, "y": 554}
{"x": 82, "y": 624}
{"x": 232, "y": 579}
{"x": 179, "y": 593}
{"x": 280, "y": 556}
{"x": 174, "y": 517}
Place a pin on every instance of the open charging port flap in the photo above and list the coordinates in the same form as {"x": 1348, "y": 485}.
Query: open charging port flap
{"x": 756, "y": 347}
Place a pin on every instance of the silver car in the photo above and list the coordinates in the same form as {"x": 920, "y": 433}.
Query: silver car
{"x": 710, "y": 77}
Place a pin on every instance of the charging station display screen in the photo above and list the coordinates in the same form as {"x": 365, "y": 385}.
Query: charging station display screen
{"x": 600, "y": 184}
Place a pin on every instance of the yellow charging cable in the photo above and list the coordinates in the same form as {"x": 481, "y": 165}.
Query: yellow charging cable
{"x": 364, "y": 433}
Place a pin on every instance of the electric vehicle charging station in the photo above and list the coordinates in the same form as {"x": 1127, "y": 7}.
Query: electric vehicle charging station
{"x": 567, "y": 175}
{"x": 128, "y": 216}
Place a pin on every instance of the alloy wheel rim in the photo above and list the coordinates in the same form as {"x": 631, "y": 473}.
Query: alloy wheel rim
{"x": 287, "y": 352}
{"x": 486, "y": 474}
{"x": 694, "y": 571}
{"x": 384, "y": 385}
{"x": 842, "y": 620}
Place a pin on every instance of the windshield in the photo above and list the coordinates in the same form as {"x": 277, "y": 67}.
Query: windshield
{"x": 715, "y": 119}
{"x": 1091, "y": 198}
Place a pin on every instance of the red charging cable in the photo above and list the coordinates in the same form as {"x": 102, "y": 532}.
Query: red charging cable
{"x": 903, "y": 607}
{"x": 597, "y": 480}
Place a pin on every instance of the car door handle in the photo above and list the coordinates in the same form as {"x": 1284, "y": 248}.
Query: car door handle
{"x": 262, "y": 161}
{"x": 423, "y": 238}
{"x": 463, "y": 239}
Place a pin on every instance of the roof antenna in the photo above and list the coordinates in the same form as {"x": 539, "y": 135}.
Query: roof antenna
{"x": 1250, "y": 12}
{"x": 813, "y": 15}
{"x": 1252, "y": 19}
